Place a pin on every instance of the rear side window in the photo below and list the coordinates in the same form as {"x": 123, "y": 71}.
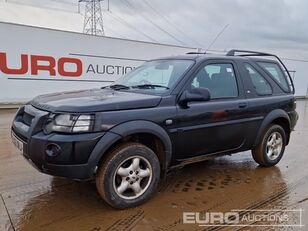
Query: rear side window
{"x": 276, "y": 73}
{"x": 260, "y": 84}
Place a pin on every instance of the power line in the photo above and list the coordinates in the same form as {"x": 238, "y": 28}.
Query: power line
{"x": 123, "y": 22}
{"x": 130, "y": 6}
{"x": 161, "y": 14}
{"x": 296, "y": 60}
{"x": 218, "y": 35}
{"x": 116, "y": 33}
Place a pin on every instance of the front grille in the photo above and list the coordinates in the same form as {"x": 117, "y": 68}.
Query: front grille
{"x": 27, "y": 119}
{"x": 28, "y": 122}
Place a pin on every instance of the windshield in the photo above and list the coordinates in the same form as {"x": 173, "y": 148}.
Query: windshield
{"x": 157, "y": 76}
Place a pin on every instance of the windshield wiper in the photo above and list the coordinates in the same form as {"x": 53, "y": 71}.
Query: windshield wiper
{"x": 118, "y": 87}
{"x": 150, "y": 86}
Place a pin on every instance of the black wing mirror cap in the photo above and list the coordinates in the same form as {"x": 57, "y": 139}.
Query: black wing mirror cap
{"x": 195, "y": 94}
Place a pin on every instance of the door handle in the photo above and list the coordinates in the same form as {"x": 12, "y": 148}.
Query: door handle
{"x": 242, "y": 105}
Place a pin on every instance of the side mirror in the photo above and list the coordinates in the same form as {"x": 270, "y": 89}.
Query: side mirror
{"x": 195, "y": 94}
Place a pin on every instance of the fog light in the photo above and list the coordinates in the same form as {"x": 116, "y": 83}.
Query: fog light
{"x": 53, "y": 150}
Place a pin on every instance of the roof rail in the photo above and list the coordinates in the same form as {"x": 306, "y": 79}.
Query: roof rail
{"x": 248, "y": 53}
{"x": 256, "y": 53}
{"x": 195, "y": 53}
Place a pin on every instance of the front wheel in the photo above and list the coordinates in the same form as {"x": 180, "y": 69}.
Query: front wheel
{"x": 128, "y": 176}
{"x": 271, "y": 148}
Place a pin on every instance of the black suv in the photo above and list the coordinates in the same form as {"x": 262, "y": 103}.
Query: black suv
{"x": 164, "y": 114}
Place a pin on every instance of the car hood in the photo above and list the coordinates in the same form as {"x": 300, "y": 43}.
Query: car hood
{"x": 94, "y": 100}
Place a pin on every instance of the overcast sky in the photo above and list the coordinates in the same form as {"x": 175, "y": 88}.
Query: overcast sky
{"x": 269, "y": 25}
{"x": 278, "y": 26}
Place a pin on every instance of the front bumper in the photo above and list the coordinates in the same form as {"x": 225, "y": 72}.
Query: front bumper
{"x": 73, "y": 151}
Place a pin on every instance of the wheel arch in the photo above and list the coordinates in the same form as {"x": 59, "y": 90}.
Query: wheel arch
{"x": 145, "y": 132}
{"x": 278, "y": 117}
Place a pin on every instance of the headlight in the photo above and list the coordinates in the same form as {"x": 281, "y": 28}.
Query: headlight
{"x": 68, "y": 123}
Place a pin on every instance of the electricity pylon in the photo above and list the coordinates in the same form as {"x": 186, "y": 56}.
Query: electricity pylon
{"x": 93, "y": 17}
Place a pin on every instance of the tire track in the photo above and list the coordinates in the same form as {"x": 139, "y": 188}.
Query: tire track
{"x": 127, "y": 223}
{"x": 7, "y": 212}
{"x": 179, "y": 221}
{"x": 276, "y": 197}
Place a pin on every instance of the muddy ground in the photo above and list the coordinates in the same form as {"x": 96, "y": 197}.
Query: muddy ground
{"x": 33, "y": 201}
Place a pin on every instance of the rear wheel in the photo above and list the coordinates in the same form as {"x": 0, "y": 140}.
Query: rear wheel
{"x": 128, "y": 176}
{"x": 271, "y": 148}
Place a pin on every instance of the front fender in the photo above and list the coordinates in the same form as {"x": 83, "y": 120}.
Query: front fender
{"x": 276, "y": 114}
{"x": 143, "y": 126}
{"x": 125, "y": 129}
{"x": 100, "y": 149}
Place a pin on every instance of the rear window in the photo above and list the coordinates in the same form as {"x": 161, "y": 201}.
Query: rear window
{"x": 276, "y": 73}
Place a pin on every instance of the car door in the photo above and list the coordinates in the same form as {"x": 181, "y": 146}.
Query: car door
{"x": 216, "y": 125}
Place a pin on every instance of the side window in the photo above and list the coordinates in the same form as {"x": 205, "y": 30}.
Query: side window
{"x": 219, "y": 79}
{"x": 260, "y": 84}
{"x": 276, "y": 73}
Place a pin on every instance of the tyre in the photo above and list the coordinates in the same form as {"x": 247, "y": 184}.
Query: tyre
{"x": 129, "y": 176}
{"x": 271, "y": 148}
